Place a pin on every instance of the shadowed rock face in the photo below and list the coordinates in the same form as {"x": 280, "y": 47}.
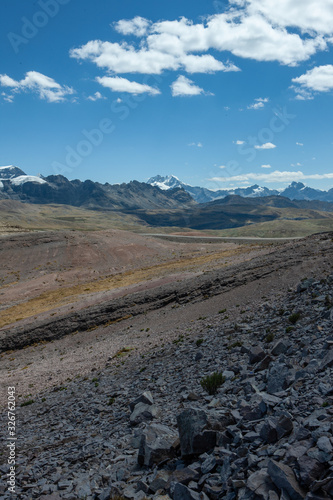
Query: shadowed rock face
{"x": 58, "y": 189}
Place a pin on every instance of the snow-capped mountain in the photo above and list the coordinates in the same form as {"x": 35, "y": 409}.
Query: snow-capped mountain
{"x": 204, "y": 195}
{"x": 296, "y": 191}
{"x": 165, "y": 183}
{"x": 10, "y": 172}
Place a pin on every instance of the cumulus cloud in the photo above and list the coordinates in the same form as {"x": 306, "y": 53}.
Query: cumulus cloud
{"x": 267, "y": 145}
{"x": 118, "y": 84}
{"x": 96, "y": 97}
{"x": 318, "y": 79}
{"x": 197, "y": 144}
{"x": 307, "y": 15}
{"x": 259, "y": 103}
{"x": 299, "y": 144}
{"x": 266, "y": 166}
{"x": 35, "y": 82}
{"x": 276, "y": 176}
{"x": 137, "y": 26}
{"x": 263, "y": 30}
{"x": 239, "y": 143}
{"x": 185, "y": 87}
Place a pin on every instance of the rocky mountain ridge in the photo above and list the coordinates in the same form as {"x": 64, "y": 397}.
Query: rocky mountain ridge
{"x": 16, "y": 185}
{"x": 295, "y": 191}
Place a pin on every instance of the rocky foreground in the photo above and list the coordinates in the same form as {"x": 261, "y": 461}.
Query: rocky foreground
{"x": 147, "y": 428}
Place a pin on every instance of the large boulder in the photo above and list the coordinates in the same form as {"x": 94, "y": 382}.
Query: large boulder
{"x": 284, "y": 479}
{"x": 158, "y": 443}
{"x": 194, "y": 433}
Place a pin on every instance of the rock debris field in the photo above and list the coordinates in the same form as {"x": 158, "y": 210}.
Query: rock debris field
{"x": 161, "y": 426}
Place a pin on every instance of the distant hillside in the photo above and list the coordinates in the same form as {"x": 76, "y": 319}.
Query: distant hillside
{"x": 235, "y": 211}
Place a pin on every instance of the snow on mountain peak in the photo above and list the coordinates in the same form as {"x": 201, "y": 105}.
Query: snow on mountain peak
{"x": 22, "y": 179}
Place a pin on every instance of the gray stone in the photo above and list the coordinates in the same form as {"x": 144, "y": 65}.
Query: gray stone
{"x": 278, "y": 378}
{"x": 160, "y": 480}
{"x": 255, "y": 411}
{"x": 146, "y": 398}
{"x": 182, "y": 492}
{"x": 268, "y": 431}
{"x": 281, "y": 347}
{"x": 260, "y": 483}
{"x": 194, "y": 438}
{"x": 208, "y": 465}
{"x": 327, "y": 362}
{"x": 142, "y": 413}
{"x": 256, "y": 354}
{"x": 157, "y": 444}
{"x": 284, "y": 479}
{"x": 309, "y": 469}
{"x": 324, "y": 444}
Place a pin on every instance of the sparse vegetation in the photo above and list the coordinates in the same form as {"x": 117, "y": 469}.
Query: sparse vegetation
{"x": 238, "y": 343}
{"x": 212, "y": 382}
{"x": 199, "y": 342}
{"x": 269, "y": 337}
{"x": 28, "y": 402}
{"x": 293, "y": 318}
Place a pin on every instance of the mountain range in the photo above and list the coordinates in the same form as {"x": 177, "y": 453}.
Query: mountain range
{"x": 16, "y": 185}
{"x": 166, "y": 201}
{"x": 296, "y": 191}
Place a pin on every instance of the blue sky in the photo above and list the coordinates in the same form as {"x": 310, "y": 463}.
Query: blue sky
{"x": 221, "y": 93}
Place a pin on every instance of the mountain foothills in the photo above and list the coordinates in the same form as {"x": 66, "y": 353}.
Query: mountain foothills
{"x": 167, "y": 202}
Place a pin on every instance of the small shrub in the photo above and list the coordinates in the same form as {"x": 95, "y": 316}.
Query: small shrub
{"x": 222, "y": 311}
{"x": 238, "y": 343}
{"x": 27, "y": 403}
{"x": 111, "y": 401}
{"x": 289, "y": 329}
{"x": 199, "y": 342}
{"x": 293, "y": 318}
{"x": 269, "y": 337}
{"x": 212, "y": 382}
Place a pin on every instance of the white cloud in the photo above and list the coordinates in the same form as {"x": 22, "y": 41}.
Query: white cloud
{"x": 267, "y": 145}
{"x": 44, "y": 86}
{"x": 266, "y": 166}
{"x": 239, "y": 143}
{"x": 118, "y": 84}
{"x": 185, "y": 87}
{"x": 124, "y": 58}
{"x": 262, "y": 30}
{"x": 252, "y": 36}
{"x": 299, "y": 144}
{"x": 307, "y": 15}
{"x": 318, "y": 79}
{"x": 137, "y": 26}
{"x": 259, "y": 103}
{"x": 276, "y": 176}
{"x": 95, "y": 97}
{"x": 197, "y": 144}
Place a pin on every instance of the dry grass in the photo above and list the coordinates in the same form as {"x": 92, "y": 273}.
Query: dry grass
{"x": 68, "y": 294}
